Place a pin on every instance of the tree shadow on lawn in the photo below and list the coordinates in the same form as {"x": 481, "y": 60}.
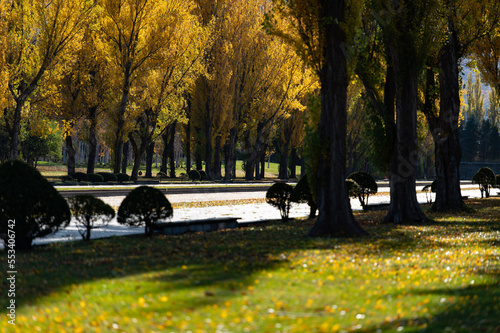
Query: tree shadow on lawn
{"x": 228, "y": 257}
{"x": 474, "y": 308}
{"x": 224, "y": 261}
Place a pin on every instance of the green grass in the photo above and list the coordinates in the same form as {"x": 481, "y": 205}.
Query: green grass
{"x": 439, "y": 277}
{"x": 54, "y": 170}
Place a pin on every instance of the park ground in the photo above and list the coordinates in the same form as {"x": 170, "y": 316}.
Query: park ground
{"x": 439, "y": 277}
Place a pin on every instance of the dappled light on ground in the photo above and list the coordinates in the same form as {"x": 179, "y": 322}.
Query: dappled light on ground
{"x": 442, "y": 276}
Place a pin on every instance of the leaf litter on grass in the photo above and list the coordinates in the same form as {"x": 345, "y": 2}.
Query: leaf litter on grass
{"x": 438, "y": 277}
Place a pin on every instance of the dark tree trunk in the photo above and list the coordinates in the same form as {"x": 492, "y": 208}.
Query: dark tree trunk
{"x": 448, "y": 152}
{"x": 171, "y": 146}
{"x": 404, "y": 207}
{"x": 335, "y": 214}
{"x": 208, "y": 141}
{"x": 126, "y": 153}
{"x": 198, "y": 161}
{"x": 150, "y": 151}
{"x": 254, "y": 152}
{"x": 216, "y": 166}
{"x": 15, "y": 128}
{"x": 188, "y": 145}
{"x": 92, "y": 145}
{"x": 168, "y": 138}
{"x": 283, "y": 169}
{"x": 119, "y": 135}
{"x": 166, "y": 152}
{"x": 293, "y": 163}
{"x": 263, "y": 165}
{"x": 229, "y": 155}
{"x": 71, "y": 154}
{"x": 139, "y": 150}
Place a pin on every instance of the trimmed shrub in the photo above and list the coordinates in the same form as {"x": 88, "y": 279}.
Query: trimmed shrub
{"x": 367, "y": 186}
{"x": 485, "y": 178}
{"x": 79, "y": 176}
{"x": 162, "y": 174}
{"x": 203, "y": 175}
{"x": 302, "y": 194}
{"x": 108, "y": 176}
{"x": 66, "y": 178}
{"x": 29, "y": 205}
{"x": 353, "y": 189}
{"x": 194, "y": 175}
{"x": 95, "y": 178}
{"x": 279, "y": 195}
{"x": 144, "y": 206}
{"x": 88, "y": 210}
{"x": 122, "y": 177}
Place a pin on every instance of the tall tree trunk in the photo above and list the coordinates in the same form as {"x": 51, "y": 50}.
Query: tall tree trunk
{"x": 139, "y": 150}
{"x": 198, "y": 160}
{"x": 293, "y": 163}
{"x": 253, "y": 151}
{"x": 404, "y": 207}
{"x": 119, "y": 134}
{"x": 208, "y": 141}
{"x": 188, "y": 145}
{"x": 448, "y": 152}
{"x": 150, "y": 151}
{"x": 263, "y": 165}
{"x": 92, "y": 141}
{"x": 335, "y": 215}
{"x": 166, "y": 151}
{"x": 216, "y": 166}
{"x": 283, "y": 169}
{"x": 171, "y": 145}
{"x": 126, "y": 153}
{"x": 71, "y": 154}
{"x": 229, "y": 155}
{"x": 15, "y": 129}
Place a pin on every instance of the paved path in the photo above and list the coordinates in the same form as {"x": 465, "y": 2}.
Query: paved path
{"x": 247, "y": 212}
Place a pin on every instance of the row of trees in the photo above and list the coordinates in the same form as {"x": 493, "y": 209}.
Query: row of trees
{"x": 408, "y": 56}
{"x": 133, "y": 72}
{"x": 140, "y": 68}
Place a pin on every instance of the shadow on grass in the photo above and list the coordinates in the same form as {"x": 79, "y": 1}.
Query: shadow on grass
{"x": 225, "y": 263}
{"x": 473, "y": 308}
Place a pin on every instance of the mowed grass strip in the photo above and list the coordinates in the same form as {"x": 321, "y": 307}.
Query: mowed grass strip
{"x": 439, "y": 277}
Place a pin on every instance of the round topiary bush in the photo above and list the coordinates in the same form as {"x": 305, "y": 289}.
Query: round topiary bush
{"x": 108, "y": 176}
{"x": 485, "y": 178}
{"x": 353, "y": 189}
{"x": 79, "y": 176}
{"x": 146, "y": 206}
{"x": 29, "y": 206}
{"x": 367, "y": 186}
{"x": 95, "y": 178}
{"x": 194, "y": 175}
{"x": 302, "y": 194}
{"x": 88, "y": 210}
{"x": 162, "y": 174}
{"x": 203, "y": 175}
{"x": 122, "y": 177}
{"x": 66, "y": 178}
{"x": 279, "y": 195}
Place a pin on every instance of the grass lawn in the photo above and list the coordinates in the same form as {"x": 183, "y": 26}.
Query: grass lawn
{"x": 54, "y": 171}
{"x": 440, "y": 277}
